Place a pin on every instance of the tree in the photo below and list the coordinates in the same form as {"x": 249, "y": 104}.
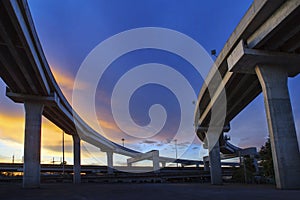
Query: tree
{"x": 245, "y": 171}
{"x": 267, "y": 160}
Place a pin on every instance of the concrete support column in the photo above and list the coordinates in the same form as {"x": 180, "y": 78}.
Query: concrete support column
{"x": 163, "y": 164}
{"x": 285, "y": 150}
{"x": 206, "y": 163}
{"x": 76, "y": 166}
{"x": 109, "y": 155}
{"x": 206, "y": 166}
{"x": 32, "y": 144}
{"x": 214, "y": 158}
{"x": 155, "y": 159}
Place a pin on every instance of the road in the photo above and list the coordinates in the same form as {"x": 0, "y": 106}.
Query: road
{"x": 147, "y": 191}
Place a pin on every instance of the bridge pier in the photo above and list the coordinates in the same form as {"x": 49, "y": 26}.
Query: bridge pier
{"x": 285, "y": 150}
{"x": 214, "y": 158}
{"x": 109, "y": 156}
{"x": 206, "y": 163}
{"x": 76, "y": 165}
{"x": 155, "y": 160}
{"x": 32, "y": 144}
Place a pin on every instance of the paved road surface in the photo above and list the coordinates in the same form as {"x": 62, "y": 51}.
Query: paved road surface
{"x": 163, "y": 191}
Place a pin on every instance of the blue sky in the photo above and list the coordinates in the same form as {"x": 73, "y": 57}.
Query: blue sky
{"x": 69, "y": 30}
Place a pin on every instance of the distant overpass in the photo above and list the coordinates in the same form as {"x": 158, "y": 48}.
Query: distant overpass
{"x": 18, "y": 167}
{"x": 259, "y": 56}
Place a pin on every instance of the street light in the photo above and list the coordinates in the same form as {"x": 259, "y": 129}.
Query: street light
{"x": 242, "y": 162}
{"x": 63, "y": 151}
{"x": 213, "y": 52}
{"x": 176, "y": 151}
{"x": 123, "y": 141}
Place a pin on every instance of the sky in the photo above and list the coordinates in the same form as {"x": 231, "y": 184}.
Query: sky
{"x": 70, "y": 30}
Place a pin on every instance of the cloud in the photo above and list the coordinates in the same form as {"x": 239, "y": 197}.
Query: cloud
{"x": 103, "y": 98}
{"x": 118, "y": 162}
{"x": 12, "y": 137}
{"x": 63, "y": 78}
{"x": 149, "y": 142}
{"x": 5, "y": 158}
{"x": 160, "y": 144}
{"x": 252, "y": 116}
{"x": 184, "y": 144}
{"x": 58, "y": 148}
{"x": 111, "y": 126}
{"x": 66, "y": 82}
{"x": 12, "y": 127}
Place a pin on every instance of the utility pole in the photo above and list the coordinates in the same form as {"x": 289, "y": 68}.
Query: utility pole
{"x": 245, "y": 172}
{"x": 63, "y": 151}
{"x": 242, "y": 162}
{"x": 13, "y": 159}
{"x": 176, "y": 152}
{"x": 213, "y": 53}
{"x": 123, "y": 141}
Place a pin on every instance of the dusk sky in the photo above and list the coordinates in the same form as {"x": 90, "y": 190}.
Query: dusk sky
{"x": 69, "y": 30}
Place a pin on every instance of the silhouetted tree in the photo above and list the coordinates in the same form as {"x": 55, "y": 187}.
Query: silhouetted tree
{"x": 239, "y": 173}
{"x": 249, "y": 162}
{"x": 267, "y": 160}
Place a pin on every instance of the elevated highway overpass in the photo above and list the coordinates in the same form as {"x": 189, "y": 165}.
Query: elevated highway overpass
{"x": 29, "y": 80}
{"x": 261, "y": 36}
{"x": 259, "y": 56}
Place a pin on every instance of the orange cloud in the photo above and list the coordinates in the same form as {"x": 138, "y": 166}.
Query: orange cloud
{"x": 12, "y": 127}
{"x": 66, "y": 82}
{"x": 12, "y": 137}
{"x": 103, "y": 98}
{"x": 109, "y": 125}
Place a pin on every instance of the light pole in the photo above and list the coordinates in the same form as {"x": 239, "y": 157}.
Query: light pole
{"x": 63, "y": 151}
{"x": 123, "y": 141}
{"x": 176, "y": 152}
{"x": 242, "y": 162}
{"x": 213, "y": 53}
{"x": 245, "y": 172}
